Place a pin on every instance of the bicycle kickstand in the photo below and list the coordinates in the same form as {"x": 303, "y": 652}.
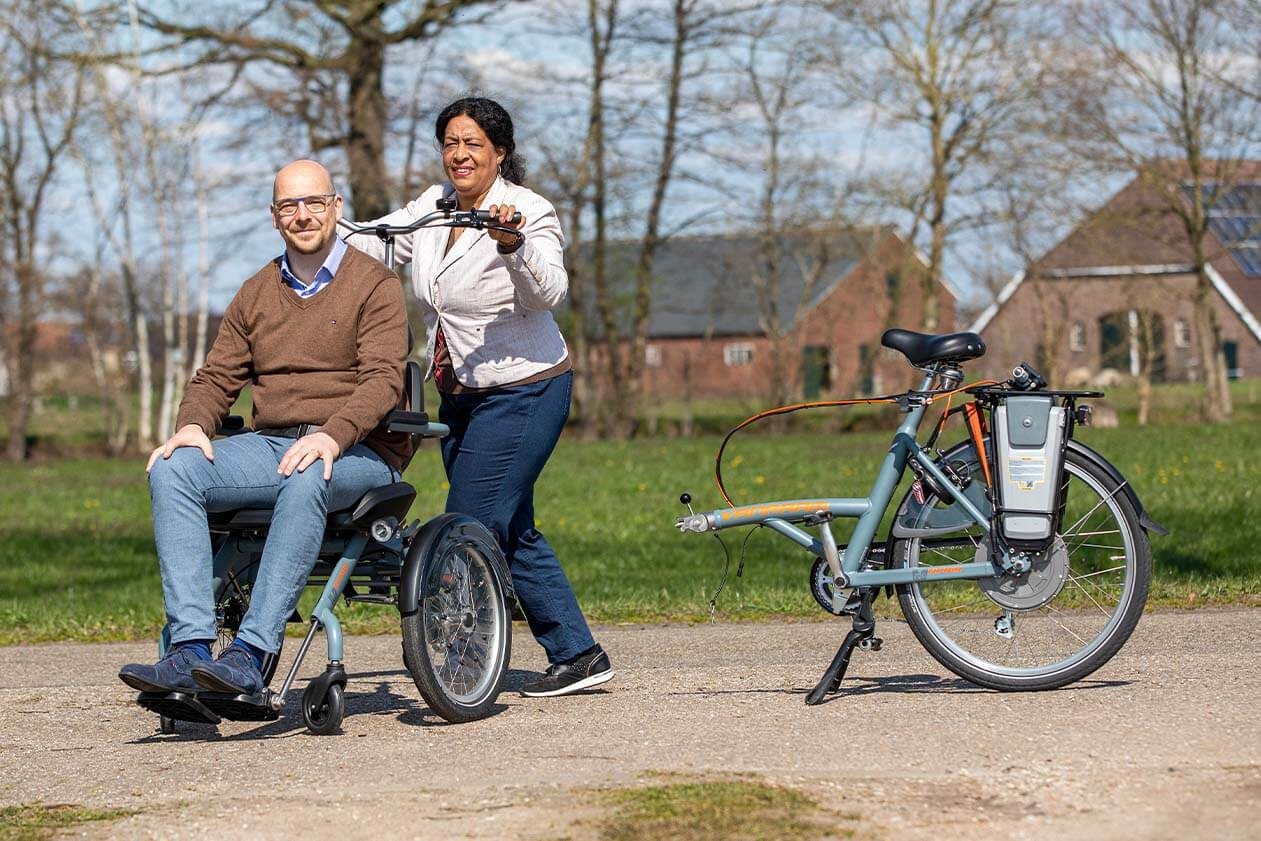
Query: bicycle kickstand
{"x": 862, "y": 634}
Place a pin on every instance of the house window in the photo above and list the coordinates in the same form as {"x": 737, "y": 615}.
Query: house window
{"x": 737, "y": 354}
{"x": 1077, "y": 337}
{"x": 1181, "y": 333}
{"x": 652, "y": 356}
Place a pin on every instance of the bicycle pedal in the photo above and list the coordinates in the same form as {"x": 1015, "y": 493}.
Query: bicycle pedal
{"x": 871, "y": 644}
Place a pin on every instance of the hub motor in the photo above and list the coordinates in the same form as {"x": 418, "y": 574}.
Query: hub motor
{"x": 1046, "y": 576}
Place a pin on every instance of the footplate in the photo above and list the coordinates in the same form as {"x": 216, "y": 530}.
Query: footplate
{"x": 181, "y": 706}
{"x": 256, "y": 707}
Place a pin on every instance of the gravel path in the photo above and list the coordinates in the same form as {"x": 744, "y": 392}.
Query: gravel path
{"x": 1164, "y": 742}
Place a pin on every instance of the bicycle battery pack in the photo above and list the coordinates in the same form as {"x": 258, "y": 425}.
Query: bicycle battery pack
{"x": 1029, "y": 445}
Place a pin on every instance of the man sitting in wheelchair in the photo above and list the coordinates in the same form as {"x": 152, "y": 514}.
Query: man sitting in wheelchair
{"x": 320, "y": 336}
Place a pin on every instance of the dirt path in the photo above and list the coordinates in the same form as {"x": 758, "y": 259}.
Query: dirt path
{"x": 1164, "y": 742}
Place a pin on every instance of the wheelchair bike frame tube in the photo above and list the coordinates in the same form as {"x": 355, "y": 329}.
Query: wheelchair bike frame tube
{"x": 323, "y": 611}
{"x": 868, "y": 511}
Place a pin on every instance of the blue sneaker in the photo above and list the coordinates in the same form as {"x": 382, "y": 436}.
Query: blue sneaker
{"x": 173, "y": 673}
{"x": 233, "y": 672}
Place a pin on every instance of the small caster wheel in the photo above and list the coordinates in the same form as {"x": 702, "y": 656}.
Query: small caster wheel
{"x": 323, "y": 714}
{"x": 166, "y": 725}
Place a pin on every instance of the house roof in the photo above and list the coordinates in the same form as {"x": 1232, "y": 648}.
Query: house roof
{"x": 705, "y": 285}
{"x": 1135, "y": 234}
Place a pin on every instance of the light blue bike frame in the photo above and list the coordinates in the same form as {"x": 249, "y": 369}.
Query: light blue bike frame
{"x": 868, "y": 511}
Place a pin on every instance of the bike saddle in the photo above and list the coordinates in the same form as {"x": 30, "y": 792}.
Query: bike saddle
{"x": 926, "y": 348}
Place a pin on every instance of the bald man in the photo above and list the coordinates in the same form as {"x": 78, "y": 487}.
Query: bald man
{"x": 320, "y": 336}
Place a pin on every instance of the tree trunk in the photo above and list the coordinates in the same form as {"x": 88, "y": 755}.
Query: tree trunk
{"x": 23, "y": 362}
{"x": 198, "y": 354}
{"x": 365, "y": 143}
{"x": 1215, "y": 401}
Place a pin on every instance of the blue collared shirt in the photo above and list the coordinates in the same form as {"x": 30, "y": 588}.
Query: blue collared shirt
{"x": 323, "y": 277}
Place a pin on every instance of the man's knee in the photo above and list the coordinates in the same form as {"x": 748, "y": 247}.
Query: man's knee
{"x": 306, "y": 484}
{"x": 178, "y": 471}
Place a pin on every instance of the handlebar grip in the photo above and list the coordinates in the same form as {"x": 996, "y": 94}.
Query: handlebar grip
{"x": 485, "y": 216}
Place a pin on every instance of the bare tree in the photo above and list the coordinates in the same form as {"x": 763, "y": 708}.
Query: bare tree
{"x": 795, "y": 222}
{"x": 333, "y": 55}
{"x": 691, "y": 30}
{"x": 39, "y": 113}
{"x": 1175, "y": 96}
{"x": 581, "y": 178}
{"x": 954, "y": 74}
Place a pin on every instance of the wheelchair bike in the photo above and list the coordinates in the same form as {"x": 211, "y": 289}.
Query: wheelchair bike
{"x": 447, "y": 577}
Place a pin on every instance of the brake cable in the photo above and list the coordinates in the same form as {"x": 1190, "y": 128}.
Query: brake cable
{"x": 927, "y": 396}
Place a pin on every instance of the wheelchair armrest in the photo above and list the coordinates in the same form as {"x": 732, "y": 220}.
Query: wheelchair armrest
{"x": 415, "y": 423}
{"x": 414, "y": 387}
{"x": 232, "y": 425}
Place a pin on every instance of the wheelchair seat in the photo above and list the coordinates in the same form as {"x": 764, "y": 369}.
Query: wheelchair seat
{"x": 927, "y": 348}
{"x": 392, "y": 500}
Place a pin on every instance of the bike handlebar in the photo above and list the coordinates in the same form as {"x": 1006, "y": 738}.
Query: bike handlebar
{"x": 442, "y": 218}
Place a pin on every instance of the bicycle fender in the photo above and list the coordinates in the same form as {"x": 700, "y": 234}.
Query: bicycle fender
{"x": 1144, "y": 519}
{"x": 423, "y": 544}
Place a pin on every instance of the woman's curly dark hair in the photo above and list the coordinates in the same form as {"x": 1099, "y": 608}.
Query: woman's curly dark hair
{"x": 494, "y": 120}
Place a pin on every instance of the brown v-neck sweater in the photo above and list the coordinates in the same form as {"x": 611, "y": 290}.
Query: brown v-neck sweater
{"x": 335, "y": 359}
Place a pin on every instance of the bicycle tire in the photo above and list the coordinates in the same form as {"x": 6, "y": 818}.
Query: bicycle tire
{"x": 458, "y": 642}
{"x": 964, "y": 645}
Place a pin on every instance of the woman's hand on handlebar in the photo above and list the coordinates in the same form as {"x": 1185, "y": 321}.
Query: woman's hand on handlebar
{"x": 506, "y": 216}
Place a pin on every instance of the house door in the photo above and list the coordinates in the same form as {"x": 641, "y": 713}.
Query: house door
{"x": 1114, "y": 342}
{"x": 1230, "y": 350}
{"x": 816, "y": 373}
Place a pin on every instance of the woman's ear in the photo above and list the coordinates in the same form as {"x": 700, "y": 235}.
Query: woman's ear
{"x": 500, "y": 155}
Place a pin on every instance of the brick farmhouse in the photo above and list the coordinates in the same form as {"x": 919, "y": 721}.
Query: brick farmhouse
{"x": 1119, "y": 290}
{"x": 708, "y": 330}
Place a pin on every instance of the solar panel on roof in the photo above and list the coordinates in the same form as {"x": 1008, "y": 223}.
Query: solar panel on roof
{"x": 1235, "y": 219}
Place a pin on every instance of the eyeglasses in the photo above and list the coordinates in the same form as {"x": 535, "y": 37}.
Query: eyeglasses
{"x": 314, "y": 204}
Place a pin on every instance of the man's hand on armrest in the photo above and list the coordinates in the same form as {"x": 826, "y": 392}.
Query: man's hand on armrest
{"x": 189, "y": 435}
{"x": 306, "y": 451}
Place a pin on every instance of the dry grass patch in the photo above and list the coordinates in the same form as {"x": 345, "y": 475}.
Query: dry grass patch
{"x": 37, "y": 821}
{"x": 740, "y": 809}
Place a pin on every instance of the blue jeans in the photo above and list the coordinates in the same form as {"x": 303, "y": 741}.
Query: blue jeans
{"x": 243, "y": 475}
{"x": 499, "y": 442}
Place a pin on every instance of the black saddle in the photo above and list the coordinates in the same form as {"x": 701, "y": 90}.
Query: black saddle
{"x": 926, "y": 348}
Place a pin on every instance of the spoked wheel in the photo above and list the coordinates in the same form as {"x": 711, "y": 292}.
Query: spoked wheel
{"x": 457, "y": 643}
{"x": 1049, "y": 626}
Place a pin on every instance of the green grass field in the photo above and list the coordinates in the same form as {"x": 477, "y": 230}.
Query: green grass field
{"x": 77, "y": 558}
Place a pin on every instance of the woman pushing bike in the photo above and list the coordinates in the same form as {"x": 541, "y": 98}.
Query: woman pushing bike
{"x": 500, "y": 363}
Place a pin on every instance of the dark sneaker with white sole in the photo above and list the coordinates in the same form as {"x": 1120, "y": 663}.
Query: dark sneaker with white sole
{"x": 587, "y": 670}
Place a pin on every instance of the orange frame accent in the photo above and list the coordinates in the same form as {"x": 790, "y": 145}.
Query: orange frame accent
{"x": 976, "y": 429}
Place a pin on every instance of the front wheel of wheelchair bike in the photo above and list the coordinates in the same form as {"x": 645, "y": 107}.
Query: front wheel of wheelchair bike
{"x": 1050, "y": 626}
{"x": 458, "y": 641}
{"x": 323, "y": 708}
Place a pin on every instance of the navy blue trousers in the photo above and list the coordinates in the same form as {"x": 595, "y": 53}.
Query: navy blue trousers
{"x": 499, "y": 443}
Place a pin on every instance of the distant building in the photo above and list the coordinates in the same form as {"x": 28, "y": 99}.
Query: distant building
{"x": 838, "y": 291}
{"x": 1122, "y": 284}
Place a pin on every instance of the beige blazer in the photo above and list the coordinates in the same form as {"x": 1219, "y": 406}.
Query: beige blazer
{"x": 495, "y": 309}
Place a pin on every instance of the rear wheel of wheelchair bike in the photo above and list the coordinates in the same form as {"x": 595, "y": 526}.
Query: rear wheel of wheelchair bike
{"x": 1053, "y": 624}
{"x": 230, "y": 609}
{"x": 457, "y": 642}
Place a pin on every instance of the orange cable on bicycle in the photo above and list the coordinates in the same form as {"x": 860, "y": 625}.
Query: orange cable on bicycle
{"x": 826, "y": 404}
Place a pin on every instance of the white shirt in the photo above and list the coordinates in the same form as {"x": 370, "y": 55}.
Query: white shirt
{"x": 495, "y": 309}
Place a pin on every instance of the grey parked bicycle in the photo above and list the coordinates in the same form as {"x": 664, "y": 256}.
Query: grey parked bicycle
{"x": 1019, "y": 555}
